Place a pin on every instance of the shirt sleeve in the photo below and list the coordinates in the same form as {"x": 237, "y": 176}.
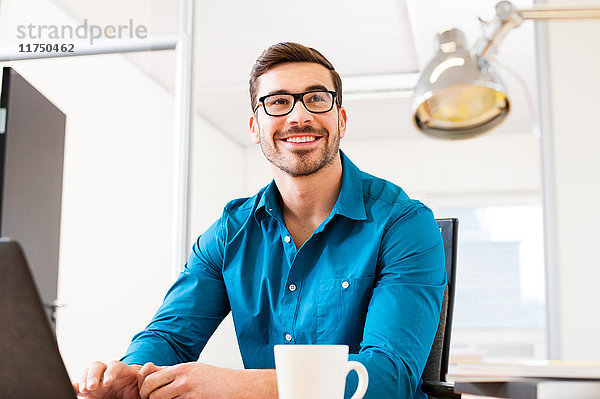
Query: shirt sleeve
{"x": 404, "y": 309}
{"x": 192, "y": 309}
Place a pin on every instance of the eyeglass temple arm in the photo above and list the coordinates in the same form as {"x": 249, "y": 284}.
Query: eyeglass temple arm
{"x": 508, "y": 18}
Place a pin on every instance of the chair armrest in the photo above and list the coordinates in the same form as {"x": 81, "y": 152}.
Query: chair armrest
{"x": 438, "y": 389}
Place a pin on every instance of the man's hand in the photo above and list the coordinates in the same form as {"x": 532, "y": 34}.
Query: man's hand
{"x": 196, "y": 380}
{"x": 115, "y": 381}
{"x": 199, "y": 380}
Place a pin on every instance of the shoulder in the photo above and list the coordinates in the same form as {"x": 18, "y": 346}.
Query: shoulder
{"x": 239, "y": 211}
{"x": 382, "y": 191}
{"x": 411, "y": 244}
{"x": 388, "y": 201}
{"x": 240, "y": 207}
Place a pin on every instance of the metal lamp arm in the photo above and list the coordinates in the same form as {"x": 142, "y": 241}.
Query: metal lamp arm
{"x": 508, "y": 17}
{"x": 539, "y": 13}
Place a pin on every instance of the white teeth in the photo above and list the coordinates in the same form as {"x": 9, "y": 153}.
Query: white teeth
{"x": 303, "y": 139}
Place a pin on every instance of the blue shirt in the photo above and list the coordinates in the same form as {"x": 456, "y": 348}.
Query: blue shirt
{"x": 371, "y": 276}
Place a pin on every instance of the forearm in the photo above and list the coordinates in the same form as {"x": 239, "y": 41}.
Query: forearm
{"x": 254, "y": 384}
{"x": 150, "y": 347}
{"x": 389, "y": 377}
{"x": 397, "y": 339}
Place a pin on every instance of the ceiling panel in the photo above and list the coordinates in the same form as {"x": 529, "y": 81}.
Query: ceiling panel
{"x": 158, "y": 16}
{"x": 380, "y": 38}
{"x": 358, "y": 37}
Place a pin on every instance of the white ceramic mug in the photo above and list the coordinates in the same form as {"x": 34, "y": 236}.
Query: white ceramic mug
{"x": 316, "y": 372}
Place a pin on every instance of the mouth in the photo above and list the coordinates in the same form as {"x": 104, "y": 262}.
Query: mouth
{"x": 301, "y": 139}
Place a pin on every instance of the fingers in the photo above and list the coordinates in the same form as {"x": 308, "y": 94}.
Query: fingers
{"x": 156, "y": 379}
{"x": 91, "y": 377}
{"x": 121, "y": 372}
{"x": 144, "y": 372}
{"x": 100, "y": 373}
{"x": 148, "y": 369}
{"x": 168, "y": 391}
{"x": 82, "y": 381}
{"x": 95, "y": 375}
{"x": 113, "y": 371}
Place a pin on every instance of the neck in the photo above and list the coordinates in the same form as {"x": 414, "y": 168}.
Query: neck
{"x": 310, "y": 199}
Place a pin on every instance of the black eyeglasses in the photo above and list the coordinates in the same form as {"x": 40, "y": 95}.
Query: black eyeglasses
{"x": 315, "y": 101}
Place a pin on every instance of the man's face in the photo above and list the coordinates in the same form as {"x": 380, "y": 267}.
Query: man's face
{"x": 285, "y": 140}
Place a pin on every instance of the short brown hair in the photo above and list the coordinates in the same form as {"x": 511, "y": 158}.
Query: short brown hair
{"x": 281, "y": 53}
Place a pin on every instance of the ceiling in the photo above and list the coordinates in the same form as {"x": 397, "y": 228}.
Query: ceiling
{"x": 378, "y": 47}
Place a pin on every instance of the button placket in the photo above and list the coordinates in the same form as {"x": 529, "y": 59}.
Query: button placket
{"x": 291, "y": 297}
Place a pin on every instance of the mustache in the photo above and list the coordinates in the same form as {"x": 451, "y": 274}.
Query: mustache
{"x": 303, "y": 129}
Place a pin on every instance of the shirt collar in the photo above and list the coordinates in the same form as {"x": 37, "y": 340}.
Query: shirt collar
{"x": 350, "y": 202}
{"x": 268, "y": 202}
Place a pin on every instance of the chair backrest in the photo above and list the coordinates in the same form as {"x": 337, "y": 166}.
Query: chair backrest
{"x": 437, "y": 363}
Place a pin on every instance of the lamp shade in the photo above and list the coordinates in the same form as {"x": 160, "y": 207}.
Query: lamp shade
{"x": 458, "y": 95}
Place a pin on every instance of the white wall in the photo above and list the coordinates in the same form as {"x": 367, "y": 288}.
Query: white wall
{"x": 216, "y": 176}
{"x": 575, "y": 83}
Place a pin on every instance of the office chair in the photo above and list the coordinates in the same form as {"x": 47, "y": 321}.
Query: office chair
{"x": 434, "y": 375}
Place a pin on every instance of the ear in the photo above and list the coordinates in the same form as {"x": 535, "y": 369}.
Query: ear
{"x": 342, "y": 118}
{"x": 254, "y": 129}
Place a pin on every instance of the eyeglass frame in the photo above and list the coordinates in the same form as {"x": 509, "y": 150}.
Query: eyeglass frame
{"x": 298, "y": 97}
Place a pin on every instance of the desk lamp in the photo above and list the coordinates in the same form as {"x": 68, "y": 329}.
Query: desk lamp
{"x": 459, "y": 94}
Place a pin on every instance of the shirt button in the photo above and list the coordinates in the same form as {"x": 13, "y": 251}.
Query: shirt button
{"x": 345, "y": 284}
{"x": 288, "y": 337}
{"x": 287, "y": 239}
{"x": 292, "y": 287}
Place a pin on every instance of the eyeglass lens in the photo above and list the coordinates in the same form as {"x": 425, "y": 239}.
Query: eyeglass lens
{"x": 281, "y": 104}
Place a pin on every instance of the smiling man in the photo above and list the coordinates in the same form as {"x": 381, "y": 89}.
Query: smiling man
{"x": 324, "y": 254}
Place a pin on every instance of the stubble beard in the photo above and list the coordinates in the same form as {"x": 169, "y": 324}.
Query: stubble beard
{"x": 303, "y": 162}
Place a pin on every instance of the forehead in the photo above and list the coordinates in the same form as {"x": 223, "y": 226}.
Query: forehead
{"x": 294, "y": 77}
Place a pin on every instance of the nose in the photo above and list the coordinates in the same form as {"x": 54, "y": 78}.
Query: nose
{"x": 299, "y": 115}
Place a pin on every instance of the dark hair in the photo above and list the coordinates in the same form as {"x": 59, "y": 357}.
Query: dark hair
{"x": 281, "y": 53}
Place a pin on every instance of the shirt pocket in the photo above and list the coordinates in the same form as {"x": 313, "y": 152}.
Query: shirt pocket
{"x": 341, "y": 310}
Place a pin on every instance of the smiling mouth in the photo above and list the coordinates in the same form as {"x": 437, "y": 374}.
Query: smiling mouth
{"x": 300, "y": 139}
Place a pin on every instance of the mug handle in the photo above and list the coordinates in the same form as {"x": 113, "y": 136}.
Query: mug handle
{"x": 363, "y": 378}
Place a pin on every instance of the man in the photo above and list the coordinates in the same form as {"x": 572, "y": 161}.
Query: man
{"x": 325, "y": 254}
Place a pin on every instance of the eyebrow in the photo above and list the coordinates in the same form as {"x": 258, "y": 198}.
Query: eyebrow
{"x": 309, "y": 88}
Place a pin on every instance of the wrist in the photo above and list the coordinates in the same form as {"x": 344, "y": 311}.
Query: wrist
{"x": 254, "y": 384}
